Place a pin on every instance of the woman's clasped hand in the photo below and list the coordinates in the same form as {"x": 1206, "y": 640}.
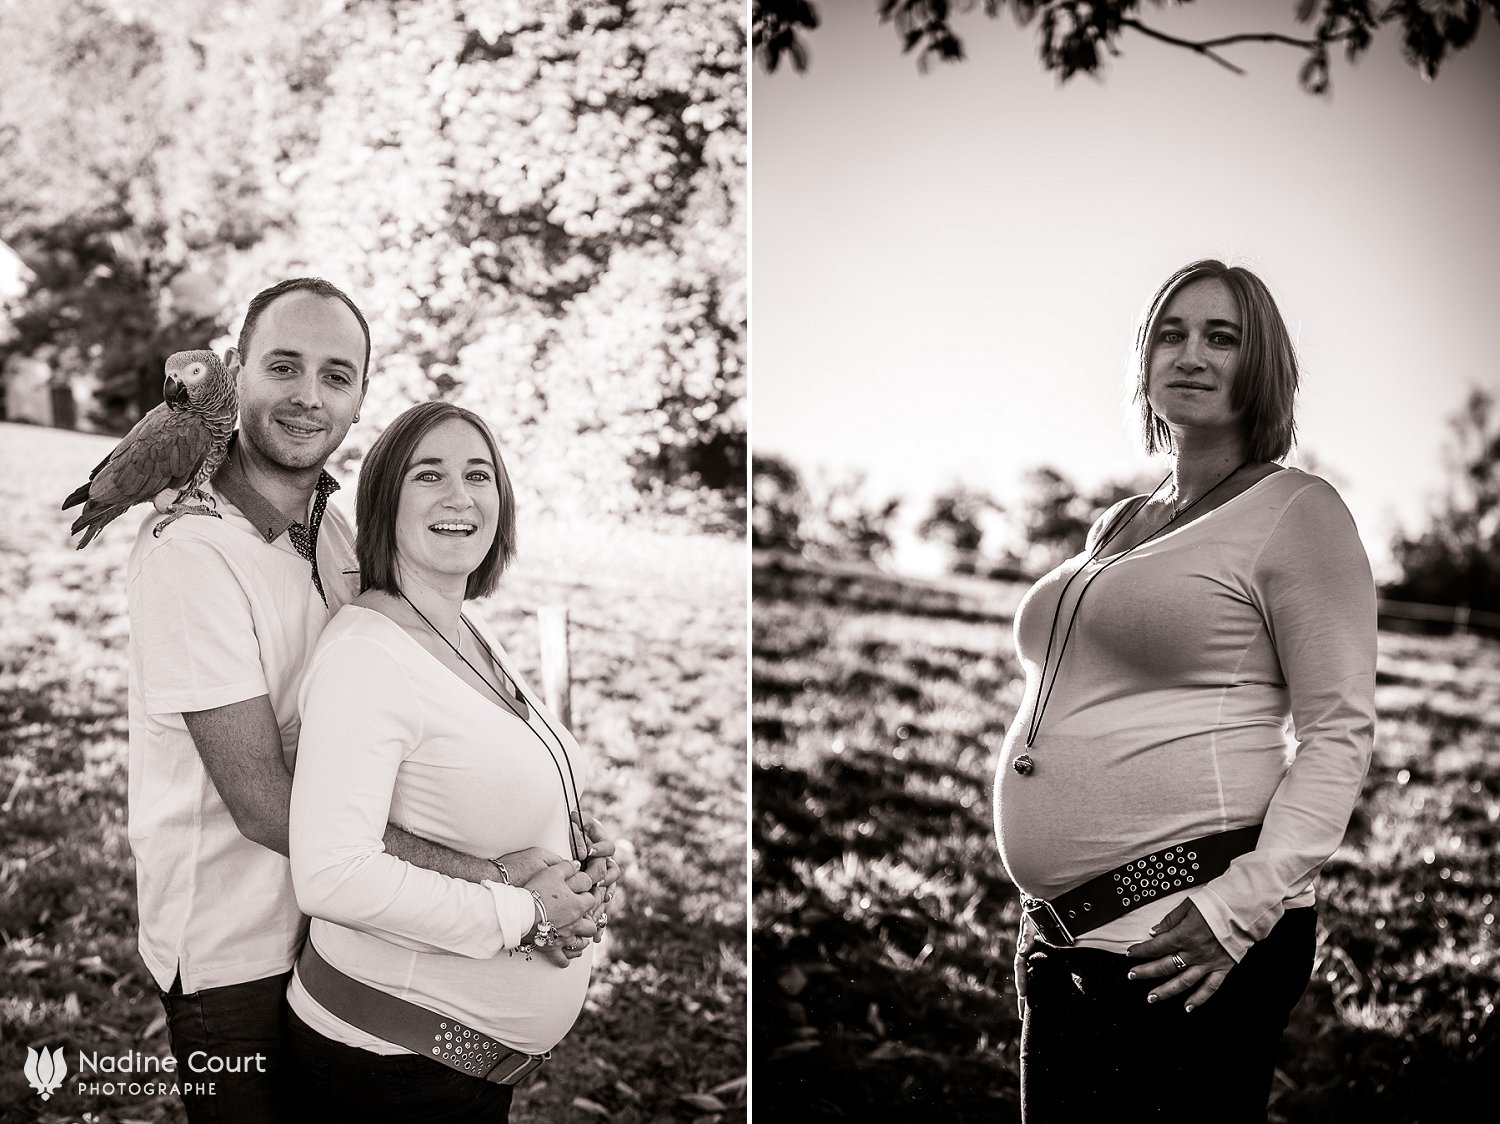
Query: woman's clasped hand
{"x": 567, "y": 894}
{"x": 600, "y": 852}
{"x": 574, "y": 893}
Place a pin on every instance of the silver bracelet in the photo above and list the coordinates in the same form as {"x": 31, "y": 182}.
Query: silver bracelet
{"x": 546, "y": 932}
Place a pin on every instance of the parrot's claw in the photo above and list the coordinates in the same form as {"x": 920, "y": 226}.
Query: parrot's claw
{"x": 181, "y": 509}
{"x": 194, "y": 495}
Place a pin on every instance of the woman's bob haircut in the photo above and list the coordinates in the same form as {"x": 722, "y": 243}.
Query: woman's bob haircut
{"x": 1267, "y": 381}
{"x": 379, "y": 497}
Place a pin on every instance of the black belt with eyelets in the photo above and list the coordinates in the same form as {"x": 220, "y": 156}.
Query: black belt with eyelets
{"x": 1113, "y": 894}
{"x": 439, "y": 1037}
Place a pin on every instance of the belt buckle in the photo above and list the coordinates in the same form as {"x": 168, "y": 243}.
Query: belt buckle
{"x": 516, "y": 1068}
{"x": 1044, "y": 916}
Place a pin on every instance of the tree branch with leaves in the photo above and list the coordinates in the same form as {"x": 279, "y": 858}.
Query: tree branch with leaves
{"x": 1079, "y": 36}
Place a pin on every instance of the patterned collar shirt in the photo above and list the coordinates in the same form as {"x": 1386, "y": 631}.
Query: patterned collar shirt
{"x": 232, "y": 483}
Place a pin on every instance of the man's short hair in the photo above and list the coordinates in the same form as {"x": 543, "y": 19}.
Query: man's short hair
{"x": 379, "y": 496}
{"x": 1266, "y": 383}
{"x": 315, "y": 285}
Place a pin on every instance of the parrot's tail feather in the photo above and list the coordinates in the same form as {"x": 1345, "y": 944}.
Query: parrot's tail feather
{"x": 78, "y": 496}
{"x": 92, "y": 522}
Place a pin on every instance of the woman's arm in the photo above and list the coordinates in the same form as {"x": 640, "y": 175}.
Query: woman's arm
{"x": 1313, "y": 586}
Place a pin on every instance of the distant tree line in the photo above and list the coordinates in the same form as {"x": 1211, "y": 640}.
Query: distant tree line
{"x": 540, "y": 208}
{"x": 832, "y": 519}
{"x": 1454, "y": 561}
{"x": 838, "y": 517}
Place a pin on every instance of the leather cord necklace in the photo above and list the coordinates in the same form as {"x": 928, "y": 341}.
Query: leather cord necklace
{"x": 577, "y": 804}
{"x": 1024, "y": 764}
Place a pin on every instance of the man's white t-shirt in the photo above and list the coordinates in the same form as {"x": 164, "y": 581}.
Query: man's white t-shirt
{"x": 218, "y": 615}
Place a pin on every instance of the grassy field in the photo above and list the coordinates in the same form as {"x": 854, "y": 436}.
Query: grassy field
{"x": 658, "y": 645}
{"x": 885, "y": 927}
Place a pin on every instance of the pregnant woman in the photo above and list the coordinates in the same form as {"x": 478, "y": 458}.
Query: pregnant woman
{"x": 419, "y": 996}
{"x": 1194, "y": 734}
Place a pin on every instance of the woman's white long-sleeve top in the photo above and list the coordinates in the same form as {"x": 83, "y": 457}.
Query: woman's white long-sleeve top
{"x": 1220, "y": 675}
{"x": 391, "y": 734}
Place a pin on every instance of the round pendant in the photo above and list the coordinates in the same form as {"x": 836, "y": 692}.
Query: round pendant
{"x": 1023, "y": 765}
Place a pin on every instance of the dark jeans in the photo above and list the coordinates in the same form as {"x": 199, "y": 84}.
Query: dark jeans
{"x": 333, "y": 1082}
{"x": 1090, "y": 1043}
{"x": 233, "y": 1023}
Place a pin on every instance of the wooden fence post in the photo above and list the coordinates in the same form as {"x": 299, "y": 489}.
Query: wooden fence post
{"x": 557, "y": 678}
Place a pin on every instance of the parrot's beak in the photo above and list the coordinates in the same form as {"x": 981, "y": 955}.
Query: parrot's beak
{"x": 175, "y": 393}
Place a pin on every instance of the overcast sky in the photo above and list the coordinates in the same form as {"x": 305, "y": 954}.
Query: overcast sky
{"x": 947, "y": 268}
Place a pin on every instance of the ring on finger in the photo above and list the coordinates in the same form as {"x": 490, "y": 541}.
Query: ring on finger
{"x": 1179, "y": 961}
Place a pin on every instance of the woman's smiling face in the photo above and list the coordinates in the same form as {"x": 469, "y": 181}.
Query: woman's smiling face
{"x": 1195, "y": 357}
{"x": 450, "y": 505}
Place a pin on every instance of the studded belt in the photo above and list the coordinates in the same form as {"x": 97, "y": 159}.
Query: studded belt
{"x": 443, "y": 1039}
{"x": 1113, "y": 894}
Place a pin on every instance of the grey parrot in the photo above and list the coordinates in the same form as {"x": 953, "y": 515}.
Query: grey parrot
{"x": 170, "y": 454}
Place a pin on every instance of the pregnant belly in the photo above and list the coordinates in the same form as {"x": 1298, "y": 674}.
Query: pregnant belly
{"x": 529, "y": 1005}
{"x": 1090, "y": 805}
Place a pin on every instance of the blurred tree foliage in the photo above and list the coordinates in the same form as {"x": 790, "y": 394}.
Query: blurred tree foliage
{"x": 849, "y": 523}
{"x": 540, "y": 208}
{"x": 958, "y": 519}
{"x": 110, "y": 188}
{"x": 1052, "y": 520}
{"x": 1456, "y": 561}
{"x": 837, "y": 517}
{"x": 826, "y": 517}
{"x": 92, "y": 315}
{"x": 1076, "y": 36}
{"x": 779, "y": 505}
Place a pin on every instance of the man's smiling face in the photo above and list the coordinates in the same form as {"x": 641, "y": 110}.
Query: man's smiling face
{"x": 300, "y": 383}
